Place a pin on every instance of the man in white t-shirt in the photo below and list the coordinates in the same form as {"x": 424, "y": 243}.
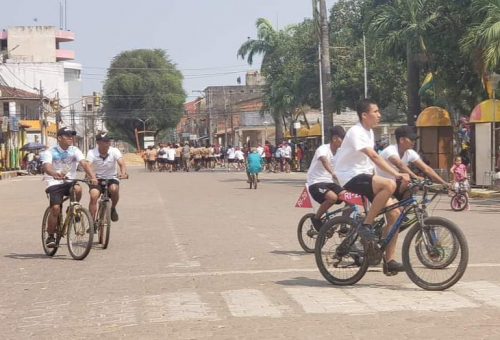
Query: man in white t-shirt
{"x": 286, "y": 154}
{"x": 321, "y": 179}
{"x": 260, "y": 151}
{"x": 170, "y": 153}
{"x": 230, "y": 157}
{"x": 162, "y": 157}
{"x": 103, "y": 159}
{"x": 59, "y": 163}
{"x": 400, "y": 155}
{"x": 355, "y": 170}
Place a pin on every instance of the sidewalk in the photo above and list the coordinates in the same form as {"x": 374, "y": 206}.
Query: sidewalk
{"x": 484, "y": 193}
{"x": 8, "y": 174}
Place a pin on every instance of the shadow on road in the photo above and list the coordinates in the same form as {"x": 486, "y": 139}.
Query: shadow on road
{"x": 291, "y": 252}
{"x": 17, "y": 256}
{"x": 308, "y": 282}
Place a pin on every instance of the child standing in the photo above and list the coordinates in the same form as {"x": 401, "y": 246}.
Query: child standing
{"x": 459, "y": 175}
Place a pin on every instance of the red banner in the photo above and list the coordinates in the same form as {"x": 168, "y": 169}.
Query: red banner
{"x": 352, "y": 198}
{"x": 304, "y": 201}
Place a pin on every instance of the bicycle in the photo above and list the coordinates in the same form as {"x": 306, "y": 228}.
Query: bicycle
{"x": 76, "y": 224}
{"x": 32, "y": 168}
{"x": 459, "y": 200}
{"x": 254, "y": 179}
{"x": 103, "y": 222}
{"x": 436, "y": 243}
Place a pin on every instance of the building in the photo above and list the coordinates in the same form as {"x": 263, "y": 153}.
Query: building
{"x": 32, "y": 58}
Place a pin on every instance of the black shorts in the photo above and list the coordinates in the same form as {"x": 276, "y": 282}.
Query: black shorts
{"x": 318, "y": 191}
{"x": 171, "y": 161}
{"x": 162, "y": 160}
{"x": 361, "y": 185}
{"x": 100, "y": 185}
{"x": 177, "y": 160}
{"x": 58, "y": 192}
{"x": 397, "y": 195}
{"x": 230, "y": 160}
{"x": 287, "y": 160}
{"x": 269, "y": 160}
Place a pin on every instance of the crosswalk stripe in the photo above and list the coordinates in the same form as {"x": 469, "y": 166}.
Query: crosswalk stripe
{"x": 483, "y": 291}
{"x": 179, "y": 306}
{"x": 249, "y": 303}
{"x": 408, "y": 298}
{"x": 325, "y": 300}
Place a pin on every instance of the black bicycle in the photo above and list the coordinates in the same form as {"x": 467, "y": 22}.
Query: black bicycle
{"x": 459, "y": 200}
{"x": 435, "y": 252}
{"x": 77, "y": 225}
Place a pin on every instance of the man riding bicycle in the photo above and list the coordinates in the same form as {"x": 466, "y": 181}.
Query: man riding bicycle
{"x": 103, "y": 159}
{"x": 355, "y": 170}
{"x": 321, "y": 178}
{"x": 60, "y": 163}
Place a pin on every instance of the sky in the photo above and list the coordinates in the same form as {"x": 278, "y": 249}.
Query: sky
{"x": 201, "y": 36}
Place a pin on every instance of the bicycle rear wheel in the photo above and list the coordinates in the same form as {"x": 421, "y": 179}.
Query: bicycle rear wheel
{"x": 105, "y": 224}
{"x": 340, "y": 267}
{"x": 306, "y": 233}
{"x": 440, "y": 243}
{"x": 45, "y": 234}
{"x": 80, "y": 233}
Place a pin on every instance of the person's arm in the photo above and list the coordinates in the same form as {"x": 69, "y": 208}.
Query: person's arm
{"x": 89, "y": 171}
{"x": 326, "y": 165}
{"x": 419, "y": 163}
{"x": 49, "y": 170}
{"x": 398, "y": 163}
{"x": 382, "y": 164}
{"x": 123, "y": 168}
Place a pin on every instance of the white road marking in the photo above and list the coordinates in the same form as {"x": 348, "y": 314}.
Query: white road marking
{"x": 179, "y": 306}
{"x": 249, "y": 303}
{"x": 325, "y": 300}
{"x": 483, "y": 291}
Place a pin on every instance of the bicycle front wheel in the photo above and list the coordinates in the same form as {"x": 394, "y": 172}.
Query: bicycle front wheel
{"x": 80, "y": 233}
{"x": 435, "y": 256}
{"x": 105, "y": 224}
{"x": 459, "y": 202}
{"x": 340, "y": 265}
{"x": 306, "y": 233}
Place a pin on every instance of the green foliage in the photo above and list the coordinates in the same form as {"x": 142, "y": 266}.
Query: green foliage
{"x": 142, "y": 84}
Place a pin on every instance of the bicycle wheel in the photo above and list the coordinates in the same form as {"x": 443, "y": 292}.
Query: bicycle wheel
{"x": 80, "y": 233}
{"x": 459, "y": 202}
{"x": 340, "y": 267}
{"x": 440, "y": 242}
{"x": 45, "y": 234}
{"x": 306, "y": 233}
{"x": 105, "y": 224}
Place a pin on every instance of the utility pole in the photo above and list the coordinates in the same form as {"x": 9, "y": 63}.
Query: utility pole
{"x": 210, "y": 102}
{"x": 364, "y": 62}
{"x": 41, "y": 115}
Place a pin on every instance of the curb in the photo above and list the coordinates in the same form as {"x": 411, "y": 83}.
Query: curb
{"x": 7, "y": 174}
{"x": 484, "y": 194}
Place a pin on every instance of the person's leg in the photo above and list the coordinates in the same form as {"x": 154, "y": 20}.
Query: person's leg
{"x": 94, "y": 196}
{"x": 78, "y": 192}
{"x": 330, "y": 199}
{"x": 391, "y": 216}
{"x": 52, "y": 220}
{"x": 114, "y": 194}
{"x": 383, "y": 188}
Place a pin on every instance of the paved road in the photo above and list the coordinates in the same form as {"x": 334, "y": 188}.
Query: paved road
{"x": 199, "y": 256}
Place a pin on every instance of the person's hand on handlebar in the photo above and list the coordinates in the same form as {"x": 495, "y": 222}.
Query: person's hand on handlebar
{"x": 94, "y": 181}
{"x": 123, "y": 176}
{"x": 405, "y": 177}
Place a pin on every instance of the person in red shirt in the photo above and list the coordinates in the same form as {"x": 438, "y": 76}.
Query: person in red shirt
{"x": 268, "y": 155}
{"x": 298, "y": 154}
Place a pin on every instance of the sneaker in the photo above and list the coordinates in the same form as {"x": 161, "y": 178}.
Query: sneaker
{"x": 114, "y": 215}
{"x": 365, "y": 231}
{"x": 50, "y": 242}
{"x": 393, "y": 266}
{"x": 317, "y": 223}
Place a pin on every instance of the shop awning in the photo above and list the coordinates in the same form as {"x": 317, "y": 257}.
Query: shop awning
{"x": 433, "y": 116}
{"x": 483, "y": 112}
{"x": 315, "y": 130}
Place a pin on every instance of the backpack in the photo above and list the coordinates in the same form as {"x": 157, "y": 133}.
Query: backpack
{"x": 272, "y": 149}
{"x": 161, "y": 152}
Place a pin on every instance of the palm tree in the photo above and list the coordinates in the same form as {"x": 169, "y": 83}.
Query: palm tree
{"x": 267, "y": 42}
{"x": 482, "y": 41}
{"x": 400, "y": 28}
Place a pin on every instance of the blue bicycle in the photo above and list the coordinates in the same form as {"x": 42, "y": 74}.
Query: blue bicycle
{"x": 435, "y": 252}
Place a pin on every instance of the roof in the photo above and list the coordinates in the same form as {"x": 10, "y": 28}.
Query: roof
{"x": 483, "y": 112}
{"x": 433, "y": 116}
{"x": 7, "y": 92}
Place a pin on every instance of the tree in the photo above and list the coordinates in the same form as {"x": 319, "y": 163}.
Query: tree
{"x": 400, "y": 28}
{"x": 142, "y": 84}
{"x": 482, "y": 41}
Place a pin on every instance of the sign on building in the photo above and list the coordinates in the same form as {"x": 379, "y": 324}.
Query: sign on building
{"x": 149, "y": 140}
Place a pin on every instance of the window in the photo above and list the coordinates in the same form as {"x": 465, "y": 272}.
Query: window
{"x": 6, "y": 109}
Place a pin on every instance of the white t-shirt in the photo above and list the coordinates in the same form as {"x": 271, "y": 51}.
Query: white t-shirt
{"x": 350, "y": 160}
{"x": 164, "y": 150}
{"x": 230, "y": 153}
{"x": 260, "y": 151}
{"x": 317, "y": 172}
{"x": 170, "y": 154}
{"x": 239, "y": 155}
{"x": 104, "y": 168}
{"x": 279, "y": 152}
{"x": 409, "y": 156}
{"x": 63, "y": 161}
{"x": 286, "y": 151}
{"x": 31, "y": 156}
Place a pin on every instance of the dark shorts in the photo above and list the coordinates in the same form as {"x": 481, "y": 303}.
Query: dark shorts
{"x": 58, "y": 192}
{"x": 177, "y": 160}
{"x": 230, "y": 160}
{"x": 100, "y": 185}
{"x": 171, "y": 161}
{"x": 162, "y": 160}
{"x": 269, "y": 160}
{"x": 397, "y": 195}
{"x": 318, "y": 191}
{"x": 361, "y": 185}
{"x": 287, "y": 160}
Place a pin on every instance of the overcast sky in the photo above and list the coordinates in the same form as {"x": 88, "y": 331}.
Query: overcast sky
{"x": 201, "y": 36}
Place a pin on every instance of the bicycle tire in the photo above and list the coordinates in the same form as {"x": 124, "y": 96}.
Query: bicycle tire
{"x": 359, "y": 261}
{"x": 49, "y": 251}
{"x": 434, "y": 263}
{"x": 84, "y": 230}
{"x": 459, "y": 202}
{"x": 460, "y": 268}
{"x": 311, "y": 233}
{"x": 105, "y": 225}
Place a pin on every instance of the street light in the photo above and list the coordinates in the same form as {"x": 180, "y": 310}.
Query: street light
{"x": 493, "y": 79}
{"x": 144, "y": 129}
{"x": 266, "y": 123}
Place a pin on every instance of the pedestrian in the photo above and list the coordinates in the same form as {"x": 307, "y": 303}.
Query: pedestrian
{"x": 459, "y": 176}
